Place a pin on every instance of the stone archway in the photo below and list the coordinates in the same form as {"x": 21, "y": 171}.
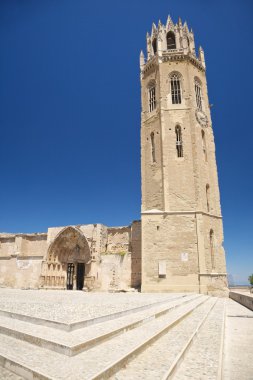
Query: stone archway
{"x": 67, "y": 261}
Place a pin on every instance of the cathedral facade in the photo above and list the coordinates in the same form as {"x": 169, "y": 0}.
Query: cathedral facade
{"x": 177, "y": 245}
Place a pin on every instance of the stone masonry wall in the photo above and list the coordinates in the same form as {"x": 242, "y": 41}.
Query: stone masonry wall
{"x": 20, "y": 259}
{"x": 136, "y": 254}
{"x": 23, "y": 257}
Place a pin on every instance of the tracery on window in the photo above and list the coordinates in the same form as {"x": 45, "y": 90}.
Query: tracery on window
{"x": 198, "y": 93}
{"x": 171, "y": 41}
{"x": 151, "y": 96}
{"x": 179, "y": 141}
{"x": 175, "y": 89}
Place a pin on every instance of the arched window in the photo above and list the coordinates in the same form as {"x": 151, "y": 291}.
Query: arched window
{"x": 152, "y": 138}
{"x": 179, "y": 142}
{"x": 208, "y": 198}
{"x": 154, "y": 45}
{"x": 204, "y": 144}
{"x": 212, "y": 248}
{"x": 198, "y": 93}
{"x": 175, "y": 89}
{"x": 151, "y": 96}
{"x": 171, "y": 42}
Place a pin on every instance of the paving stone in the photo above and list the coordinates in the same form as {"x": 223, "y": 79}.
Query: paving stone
{"x": 200, "y": 361}
{"x": 82, "y": 335}
{"x": 157, "y": 358}
{"x": 73, "y": 306}
{"x": 88, "y": 363}
{"x": 238, "y": 344}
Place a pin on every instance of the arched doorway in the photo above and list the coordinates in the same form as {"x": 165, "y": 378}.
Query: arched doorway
{"x": 67, "y": 261}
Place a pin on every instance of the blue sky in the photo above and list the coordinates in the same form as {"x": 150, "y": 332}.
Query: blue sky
{"x": 69, "y": 70}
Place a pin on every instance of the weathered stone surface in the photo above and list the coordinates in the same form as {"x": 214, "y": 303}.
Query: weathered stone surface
{"x": 125, "y": 336}
{"x": 111, "y": 257}
{"x": 181, "y": 215}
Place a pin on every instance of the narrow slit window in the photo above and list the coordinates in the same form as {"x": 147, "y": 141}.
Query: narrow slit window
{"x": 152, "y": 98}
{"x": 179, "y": 141}
{"x": 204, "y": 144}
{"x": 198, "y": 94}
{"x": 175, "y": 89}
{"x": 212, "y": 248}
{"x": 208, "y": 198}
{"x": 152, "y": 138}
{"x": 154, "y": 44}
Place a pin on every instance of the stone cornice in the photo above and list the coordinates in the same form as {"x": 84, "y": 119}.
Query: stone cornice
{"x": 183, "y": 57}
{"x": 150, "y": 65}
{"x": 159, "y": 212}
{"x": 177, "y": 55}
{"x": 35, "y": 257}
{"x": 149, "y": 117}
{"x": 23, "y": 235}
{"x": 213, "y": 274}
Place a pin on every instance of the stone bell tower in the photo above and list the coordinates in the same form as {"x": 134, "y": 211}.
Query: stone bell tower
{"x": 182, "y": 231}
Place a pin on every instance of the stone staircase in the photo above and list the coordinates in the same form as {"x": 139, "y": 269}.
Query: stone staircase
{"x": 146, "y": 342}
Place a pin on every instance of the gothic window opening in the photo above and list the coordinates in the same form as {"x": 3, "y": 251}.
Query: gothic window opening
{"x": 198, "y": 94}
{"x": 171, "y": 41}
{"x": 204, "y": 144}
{"x": 152, "y": 98}
{"x": 152, "y": 137}
{"x": 154, "y": 45}
{"x": 212, "y": 247}
{"x": 179, "y": 142}
{"x": 175, "y": 89}
{"x": 208, "y": 198}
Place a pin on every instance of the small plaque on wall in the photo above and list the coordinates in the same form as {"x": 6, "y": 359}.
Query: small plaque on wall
{"x": 162, "y": 268}
{"x": 184, "y": 256}
{"x": 23, "y": 264}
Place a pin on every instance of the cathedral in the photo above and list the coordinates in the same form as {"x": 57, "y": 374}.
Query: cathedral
{"x": 177, "y": 246}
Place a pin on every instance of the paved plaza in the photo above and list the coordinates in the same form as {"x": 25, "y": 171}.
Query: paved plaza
{"x": 76, "y": 335}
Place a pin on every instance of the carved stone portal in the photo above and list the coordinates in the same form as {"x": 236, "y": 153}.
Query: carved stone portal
{"x": 67, "y": 262}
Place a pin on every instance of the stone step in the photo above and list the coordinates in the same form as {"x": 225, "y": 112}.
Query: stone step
{"x": 202, "y": 355}
{"x": 154, "y": 362}
{"x": 61, "y": 325}
{"x": 72, "y": 343}
{"x": 98, "y": 362}
{"x": 8, "y": 375}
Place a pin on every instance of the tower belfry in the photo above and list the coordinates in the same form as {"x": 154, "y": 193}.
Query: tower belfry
{"x": 182, "y": 232}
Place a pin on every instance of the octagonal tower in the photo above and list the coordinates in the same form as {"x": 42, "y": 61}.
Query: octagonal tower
{"x": 182, "y": 232}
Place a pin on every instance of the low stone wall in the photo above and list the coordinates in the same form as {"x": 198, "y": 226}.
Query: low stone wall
{"x": 243, "y": 299}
